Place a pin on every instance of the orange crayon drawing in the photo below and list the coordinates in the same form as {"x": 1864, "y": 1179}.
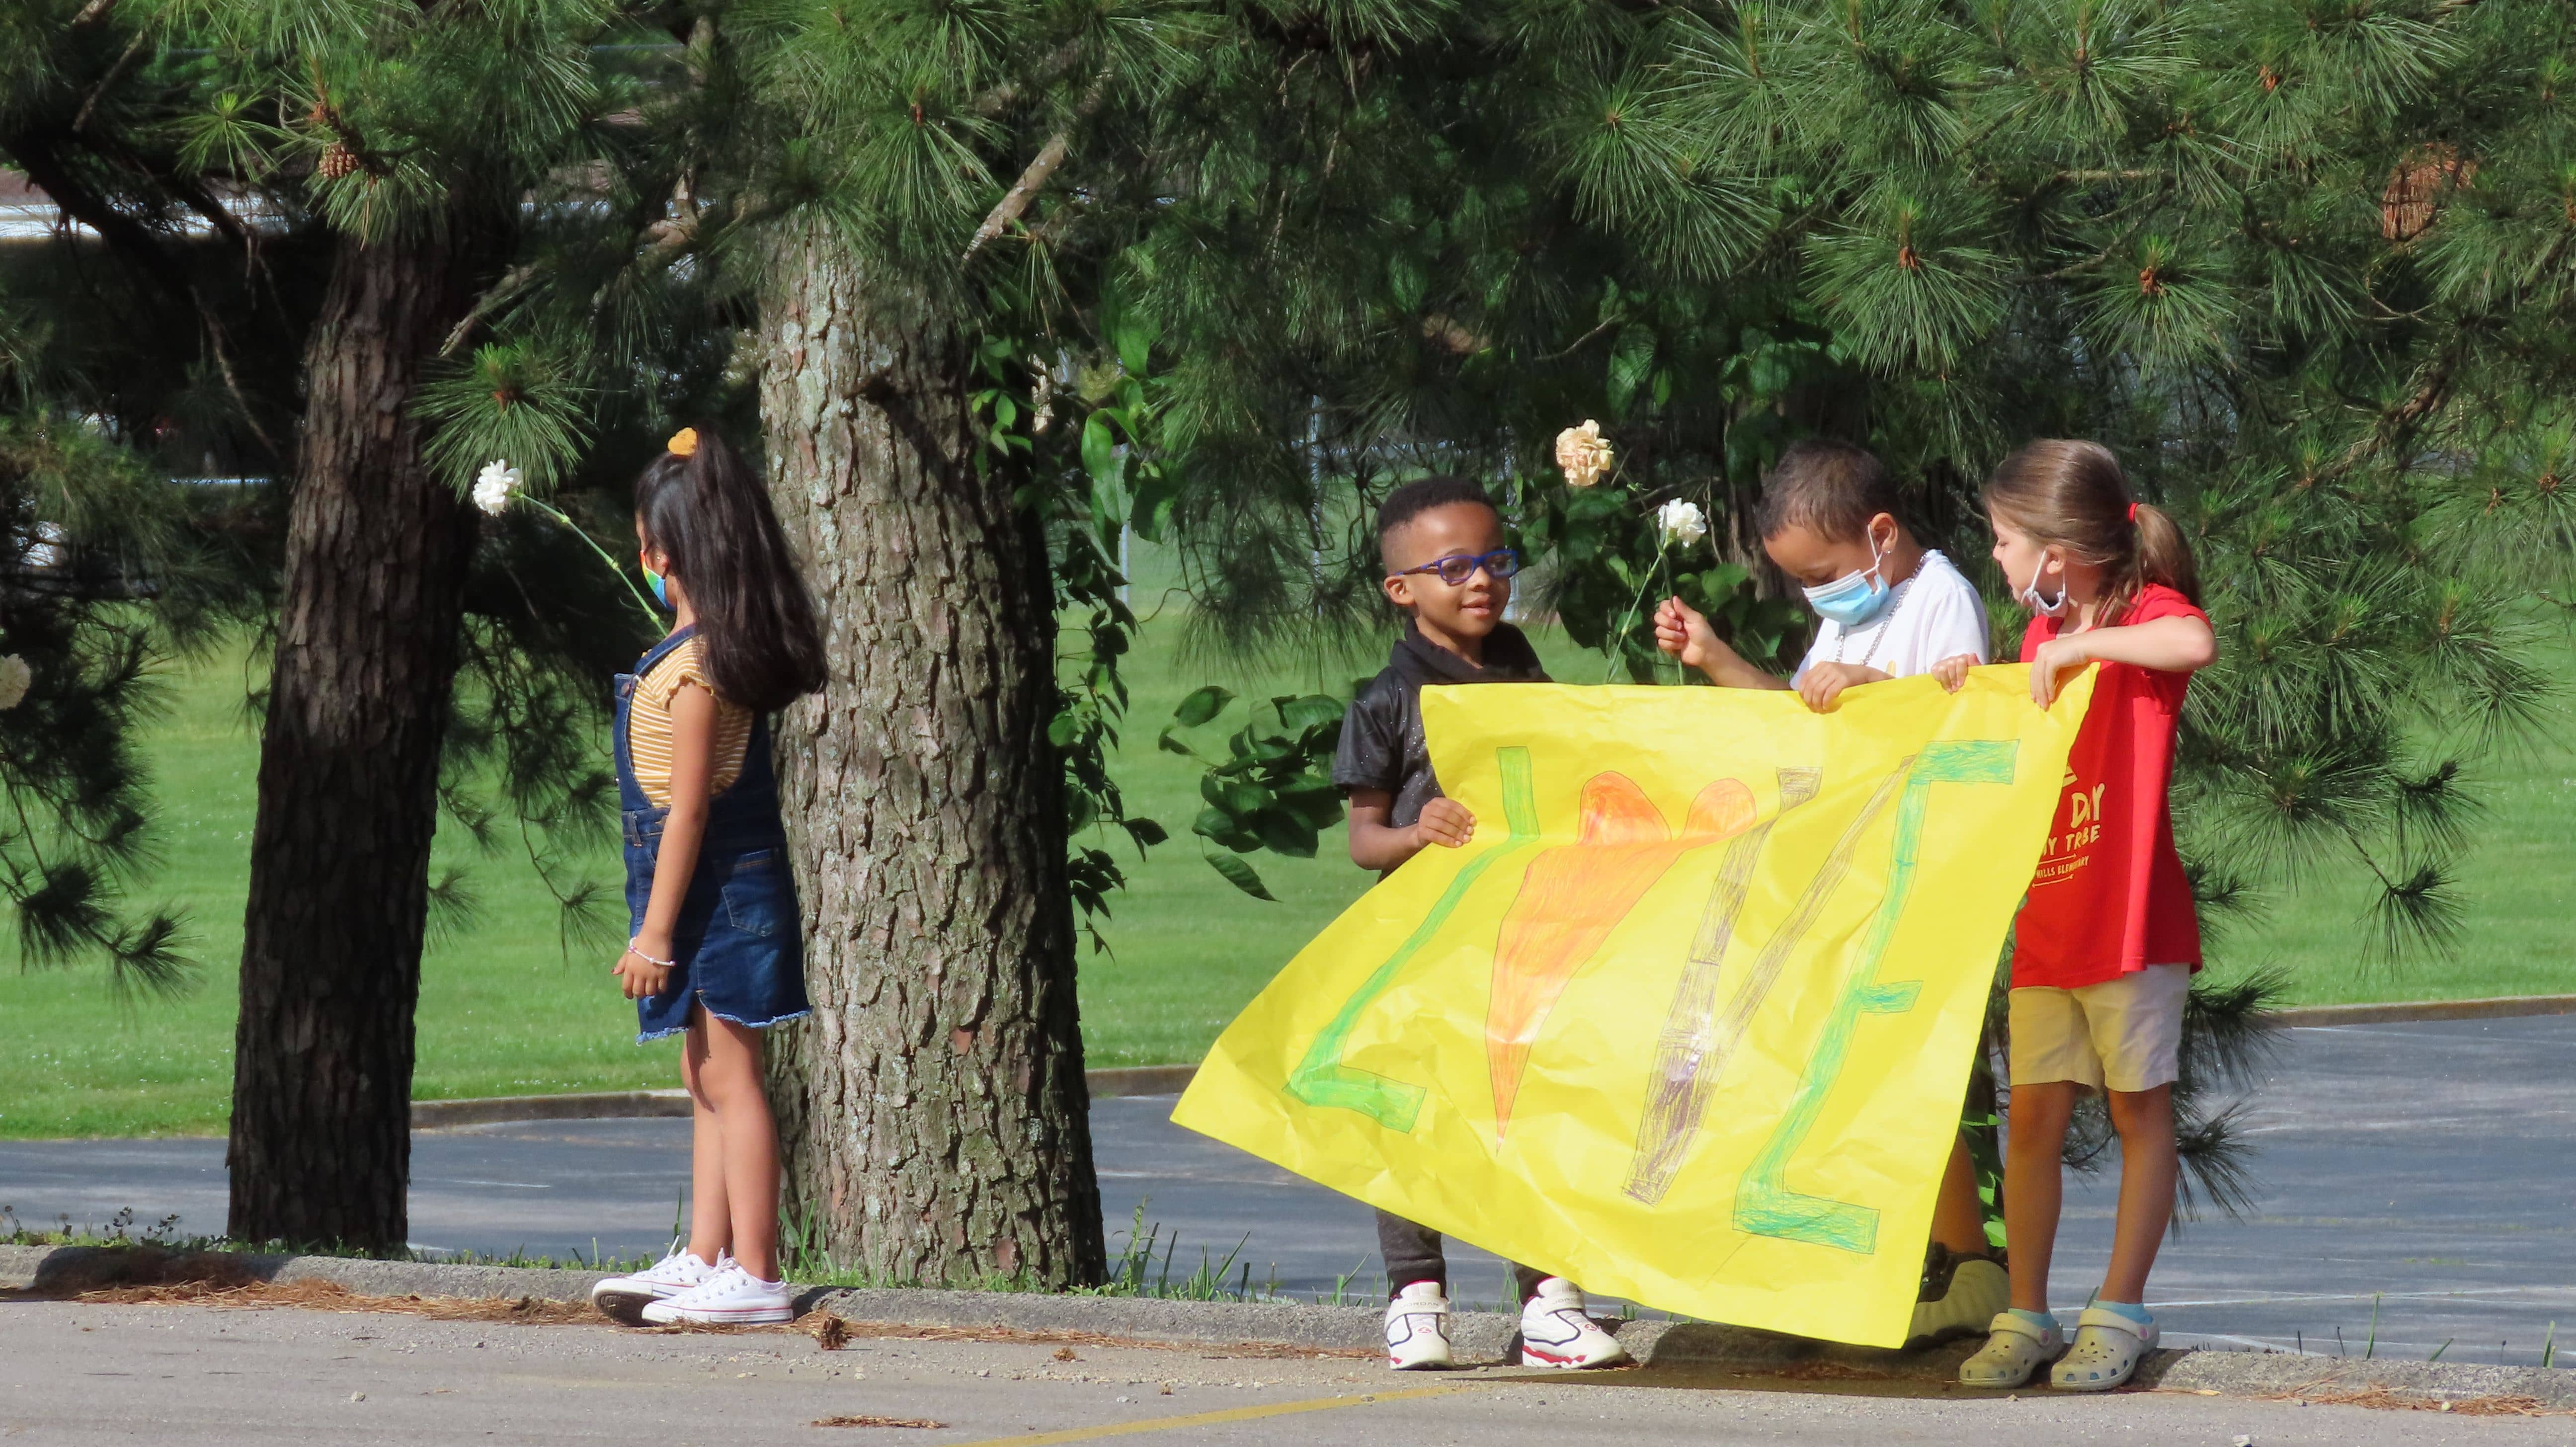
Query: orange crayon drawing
{"x": 1573, "y": 897}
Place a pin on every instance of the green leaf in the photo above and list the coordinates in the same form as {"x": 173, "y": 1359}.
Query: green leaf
{"x": 1144, "y": 831}
{"x": 1629, "y": 361}
{"x": 1301, "y": 714}
{"x": 1132, "y": 333}
{"x": 1321, "y": 807}
{"x": 1241, "y": 875}
{"x": 1100, "y": 452}
{"x": 1285, "y": 831}
{"x": 1157, "y": 492}
{"x": 1214, "y": 823}
{"x": 1404, "y": 281}
{"x": 1204, "y": 703}
{"x": 1767, "y": 372}
{"x": 1235, "y": 796}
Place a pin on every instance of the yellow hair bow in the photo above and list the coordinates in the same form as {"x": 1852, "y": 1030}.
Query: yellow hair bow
{"x": 684, "y": 443}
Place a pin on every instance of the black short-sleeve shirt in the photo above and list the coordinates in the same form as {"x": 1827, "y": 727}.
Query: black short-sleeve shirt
{"x": 1382, "y": 745}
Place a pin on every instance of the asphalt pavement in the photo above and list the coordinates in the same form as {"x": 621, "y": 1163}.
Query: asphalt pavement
{"x": 80, "y": 1374}
{"x": 2424, "y": 1173}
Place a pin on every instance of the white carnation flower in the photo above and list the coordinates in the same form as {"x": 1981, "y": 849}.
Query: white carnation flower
{"x": 1682, "y": 523}
{"x": 496, "y": 487}
{"x": 1582, "y": 454}
{"x": 15, "y": 675}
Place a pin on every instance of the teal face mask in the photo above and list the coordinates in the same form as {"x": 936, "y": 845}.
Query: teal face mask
{"x": 661, "y": 592}
{"x": 1855, "y": 598}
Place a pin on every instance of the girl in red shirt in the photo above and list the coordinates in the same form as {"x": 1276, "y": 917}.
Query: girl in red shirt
{"x": 2107, "y": 940}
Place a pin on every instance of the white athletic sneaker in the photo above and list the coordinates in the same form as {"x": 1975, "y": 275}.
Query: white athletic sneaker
{"x": 624, "y": 1296}
{"x": 1961, "y": 1296}
{"x": 1555, "y": 1332}
{"x": 731, "y": 1297}
{"x": 1417, "y": 1328}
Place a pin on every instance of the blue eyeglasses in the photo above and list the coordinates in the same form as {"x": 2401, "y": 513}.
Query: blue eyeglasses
{"x": 1457, "y": 568}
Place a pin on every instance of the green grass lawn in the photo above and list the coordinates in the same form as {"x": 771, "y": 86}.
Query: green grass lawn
{"x": 503, "y": 1013}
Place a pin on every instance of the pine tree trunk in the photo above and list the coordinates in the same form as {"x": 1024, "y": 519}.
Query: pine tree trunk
{"x": 933, "y": 1109}
{"x": 376, "y": 556}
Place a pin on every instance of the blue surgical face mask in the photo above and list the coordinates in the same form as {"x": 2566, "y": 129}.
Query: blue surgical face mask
{"x": 659, "y": 585}
{"x": 1855, "y": 598}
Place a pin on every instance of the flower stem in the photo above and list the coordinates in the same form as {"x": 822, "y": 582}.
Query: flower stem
{"x": 652, "y": 615}
{"x": 1664, "y": 571}
{"x": 1619, "y": 640}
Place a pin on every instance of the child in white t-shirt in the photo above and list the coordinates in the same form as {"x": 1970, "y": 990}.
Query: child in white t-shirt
{"x": 1888, "y": 607}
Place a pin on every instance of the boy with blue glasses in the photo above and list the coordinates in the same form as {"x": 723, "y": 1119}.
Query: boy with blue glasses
{"x": 1886, "y": 607}
{"x": 1446, "y": 568}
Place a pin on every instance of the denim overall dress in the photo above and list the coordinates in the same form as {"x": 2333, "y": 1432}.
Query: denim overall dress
{"x": 739, "y": 946}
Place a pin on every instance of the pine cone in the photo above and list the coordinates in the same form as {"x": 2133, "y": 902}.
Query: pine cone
{"x": 337, "y": 161}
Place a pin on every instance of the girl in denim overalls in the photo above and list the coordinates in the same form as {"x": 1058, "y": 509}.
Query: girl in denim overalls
{"x": 715, "y": 951}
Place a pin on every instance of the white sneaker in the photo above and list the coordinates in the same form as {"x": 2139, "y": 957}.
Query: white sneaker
{"x": 1417, "y": 1328}
{"x": 731, "y": 1297}
{"x": 1555, "y": 1331}
{"x": 623, "y": 1296}
{"x": 1961, "y": 1297}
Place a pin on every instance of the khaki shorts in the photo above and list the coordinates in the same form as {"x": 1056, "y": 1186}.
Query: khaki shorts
{"x": 2124, "y": 1033}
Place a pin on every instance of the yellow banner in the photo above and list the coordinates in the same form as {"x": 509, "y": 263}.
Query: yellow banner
{"x": 1690, "y": 1020}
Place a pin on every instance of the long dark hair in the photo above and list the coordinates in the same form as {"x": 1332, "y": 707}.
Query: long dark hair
{"x": 756, "y": 629}
{"x": 2074, "y": 495}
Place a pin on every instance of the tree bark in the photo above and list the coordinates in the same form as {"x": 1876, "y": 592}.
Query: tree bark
{"x": 376, "y": 557}
{"x": 933, "y": 1110}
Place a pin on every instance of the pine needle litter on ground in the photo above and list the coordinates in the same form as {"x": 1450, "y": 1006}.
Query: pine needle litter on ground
{"x": 152, "y": 1277}
{"x": 833, "y": 1332}
{"x": 878, "y": 1422}
{"x": 331, "y": 1296}
{"x": 1824, "y": 1371}
{"x": 2383, "y": 1399}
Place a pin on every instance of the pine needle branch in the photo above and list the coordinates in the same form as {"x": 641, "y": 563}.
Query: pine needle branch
{"x": 499, "y": 293}
{"x": 115, "y": 73}
{"x": 1025, "y": 190}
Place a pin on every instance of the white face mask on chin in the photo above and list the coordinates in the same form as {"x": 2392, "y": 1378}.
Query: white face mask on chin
{"x": 2044, "y": 607}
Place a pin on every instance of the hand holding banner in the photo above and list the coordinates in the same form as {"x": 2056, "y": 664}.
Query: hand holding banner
{"x": 1690, "y": 1020}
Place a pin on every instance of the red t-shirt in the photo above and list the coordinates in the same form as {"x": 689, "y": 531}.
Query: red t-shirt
{"x": 2110, "y": 897}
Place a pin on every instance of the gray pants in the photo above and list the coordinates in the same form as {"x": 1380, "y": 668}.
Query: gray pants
{"x": 1412, "y": 1253}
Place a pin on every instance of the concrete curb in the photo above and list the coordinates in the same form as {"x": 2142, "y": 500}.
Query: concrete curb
{"x": 66, "y": 1269}
{"x": 1480, "y": 1336}
{"x": 633, "y": 1104}
{"x": 2328, "y": 1379}
{"x": 1139, "y": 1080}
{"x": 2502, "y": 1007}
{"x": 1173, "y": 1079}
{"x": 494, "y": 1110}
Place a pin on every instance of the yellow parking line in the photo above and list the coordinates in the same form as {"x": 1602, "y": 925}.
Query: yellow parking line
{"x": 1211, "y": 1419}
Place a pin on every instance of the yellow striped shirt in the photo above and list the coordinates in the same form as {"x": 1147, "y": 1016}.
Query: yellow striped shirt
{"x": 648, "y": 726}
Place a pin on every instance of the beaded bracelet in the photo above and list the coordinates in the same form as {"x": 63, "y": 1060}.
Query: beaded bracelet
{"x": 648, "y": 959}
